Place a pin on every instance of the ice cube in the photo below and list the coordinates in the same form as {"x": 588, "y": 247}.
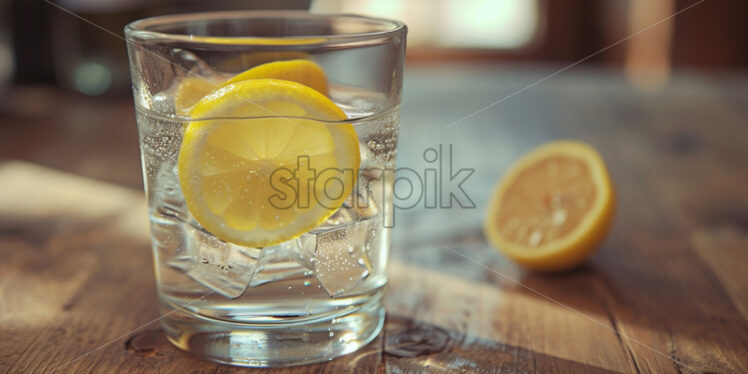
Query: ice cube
{"x": 367, "y": 157}
{"x": 289, "y": 260}
{"x": 374, "y": 250}
{"x": 168, "y": 199}
{"x": 170, "y": 241}
{"x": 364, "y": 206}
{"x": 163, "y": 103}
{"x": 357, "y": 207}
{"x": 217, "y": 265}
{"x": 340, "y": 259}
{"x": 142, "y": 97}
{"x": 189, "y": 64}
{"x": 160, "y": 96}
{"x": 343, "y": 216}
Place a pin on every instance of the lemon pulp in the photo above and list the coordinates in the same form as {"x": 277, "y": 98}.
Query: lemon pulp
{"x": 553, "y": 208}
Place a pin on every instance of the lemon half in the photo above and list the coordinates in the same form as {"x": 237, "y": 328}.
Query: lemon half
{"x": 553, "y": 208}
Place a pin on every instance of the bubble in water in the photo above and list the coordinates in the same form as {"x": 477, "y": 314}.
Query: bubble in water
{"x": 163, "y": 104}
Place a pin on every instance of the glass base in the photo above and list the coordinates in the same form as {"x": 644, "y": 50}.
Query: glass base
{"x": 272, "y": 345}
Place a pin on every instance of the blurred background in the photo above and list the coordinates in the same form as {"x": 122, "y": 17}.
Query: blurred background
{"x": 65, "y": 82}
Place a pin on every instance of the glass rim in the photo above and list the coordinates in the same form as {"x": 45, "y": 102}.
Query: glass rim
{"x": 139, "y": 29}
{"x": 357, "y": 120}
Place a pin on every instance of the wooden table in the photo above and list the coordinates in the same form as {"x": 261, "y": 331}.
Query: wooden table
{"x": 668, "y": 292}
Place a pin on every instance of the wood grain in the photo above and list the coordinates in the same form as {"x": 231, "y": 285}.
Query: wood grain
{"x": 666, "y": 294}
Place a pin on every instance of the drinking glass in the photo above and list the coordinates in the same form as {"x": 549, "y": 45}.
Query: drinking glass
{"x": 309, "y": 296}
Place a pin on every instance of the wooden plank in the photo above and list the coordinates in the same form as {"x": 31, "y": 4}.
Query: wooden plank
{"x": 489, "y": 313}
{"x": 94, "y": 136}
{"x": 649, "y": 250}
{"x": 724, "y": 251}
{"x": 65, "y": 302}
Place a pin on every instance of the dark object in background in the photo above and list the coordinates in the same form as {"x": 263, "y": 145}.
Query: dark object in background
{"x": 52, "y": 46}
{"x": 86, "y": 58}
{"x": 30, "y": 35}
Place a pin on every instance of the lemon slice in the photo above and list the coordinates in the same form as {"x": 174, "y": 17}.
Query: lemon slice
{"x": 190, "y": 91}
{"x": 301, "y": 71}
{"x": 264, "y": 180}
{"x": 553, "y": 208}
{"x": 306, "y": 72}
